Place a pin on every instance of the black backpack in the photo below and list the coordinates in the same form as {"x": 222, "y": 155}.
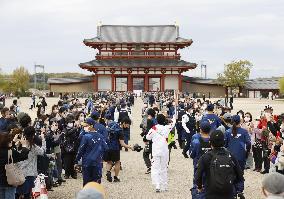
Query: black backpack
{"x": 204, "y": 146}
{"x": 222, "y": 172}
{"x": 122, "y": 114}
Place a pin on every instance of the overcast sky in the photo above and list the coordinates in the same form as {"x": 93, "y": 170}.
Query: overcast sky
{"x": 50, "y": 32}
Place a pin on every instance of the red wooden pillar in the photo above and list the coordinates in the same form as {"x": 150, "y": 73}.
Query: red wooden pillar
{"x": 112, "y": 82}
{"x": 162, "y": 83}
{"x": 180, "y": 83}
{"x": 129, "y": 83}
{"x": 96, "y": 83}
{"x": 146, "y": 83}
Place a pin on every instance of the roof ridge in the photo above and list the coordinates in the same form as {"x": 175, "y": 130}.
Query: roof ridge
{"x": 139, "y": 25}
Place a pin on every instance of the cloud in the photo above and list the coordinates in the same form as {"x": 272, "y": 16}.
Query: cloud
{"x": 51, "y": 32}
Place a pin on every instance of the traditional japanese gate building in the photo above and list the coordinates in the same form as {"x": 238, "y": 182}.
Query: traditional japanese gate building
{"x": 132, "y": 58}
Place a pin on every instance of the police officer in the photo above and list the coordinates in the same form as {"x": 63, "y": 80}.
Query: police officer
{"x": 189, "y": 128}
{"x": 180, "y": 113}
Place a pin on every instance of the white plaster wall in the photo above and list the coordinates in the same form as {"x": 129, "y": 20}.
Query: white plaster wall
{"x": 171, "y": 82}
{"x": 104, "y": 83}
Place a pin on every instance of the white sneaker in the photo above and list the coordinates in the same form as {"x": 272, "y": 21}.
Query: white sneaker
{"x": 164, "y": 188}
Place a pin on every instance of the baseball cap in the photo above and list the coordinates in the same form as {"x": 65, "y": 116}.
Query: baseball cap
{"x": 273, "y": 183}
{"x": 236, "y": 119}
{"x": 205, "y": 126}
{"x": 217, "y": 138}
{"x": 210, "y": 107}
{"x": 95, "y": 114}
{"x": 89, "y": 121}
{"x": 92, "y": 190}
{"x": 227, "y": 116}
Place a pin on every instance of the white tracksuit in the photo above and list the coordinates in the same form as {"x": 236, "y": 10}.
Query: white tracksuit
{"x": 160, "y": 152}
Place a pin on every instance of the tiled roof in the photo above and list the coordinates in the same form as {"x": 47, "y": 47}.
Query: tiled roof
{"x": 138, "y": 63}
{"x": 138, "y": 34}
{"x": 69, "y": 80}
{"x": 263, "y": 84}
{"x": 199, "y": 80}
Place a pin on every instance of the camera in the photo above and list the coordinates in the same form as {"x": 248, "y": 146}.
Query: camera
{"x": 137, "y": 148}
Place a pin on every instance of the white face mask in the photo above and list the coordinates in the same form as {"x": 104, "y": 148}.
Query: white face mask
{"x": 246, "y": 119}
{"x": 282, "y": 127}
{"x": 256, "y": 123}
{"x": 267, "y": 115}
{"x": 70, "y": 125}
{"x": 53, "y": 128}
{"x": 86, "y": 129}
{"x": 82, "y": 118}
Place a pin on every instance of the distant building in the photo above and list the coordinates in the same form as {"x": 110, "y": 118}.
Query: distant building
{"x": 71, "y": 85}
{"x": 200, "y": 86}
{"x": 261, "y": 87}
{"x": 209, "y": 87}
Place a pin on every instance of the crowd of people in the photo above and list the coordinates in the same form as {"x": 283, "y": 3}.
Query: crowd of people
{"x": 80, "y": 136}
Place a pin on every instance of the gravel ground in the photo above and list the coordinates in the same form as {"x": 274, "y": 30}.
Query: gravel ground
{"x": 135, "y": 184}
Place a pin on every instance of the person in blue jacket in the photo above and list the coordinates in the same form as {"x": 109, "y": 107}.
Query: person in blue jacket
{"x": 238, "y": 142}
{"x": 212, "y": 118}
{"x": 100, "y": 128}
{"x": 200, "y": 143}
{"x": 91, "y": 150}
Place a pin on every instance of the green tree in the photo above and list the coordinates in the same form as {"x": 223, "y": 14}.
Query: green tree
{"x": 281, "y": 85}
{"x": 3, "y": 82}
{"x": 235, "y": 74}
{"x": 20, "y": 80}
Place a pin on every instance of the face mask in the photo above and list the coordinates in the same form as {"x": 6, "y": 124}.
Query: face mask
{"x": 82, "y": 118}
{"x": 86, "y": 129}
{"x": 55, "y": 110}
{"x": 53, "y": 128}
{"x": 204, "y": 107}
{"x": 256, "y": 123}
{"x": 282, "y": 127}
{"x": 191, "y": 111}
{"x": 70, "y": 125}
{"x": 247, "y": 119}
{"x": 267, "y": 115}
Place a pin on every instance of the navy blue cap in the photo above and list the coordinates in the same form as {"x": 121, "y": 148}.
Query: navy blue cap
{"x": 210, "y": 107}
{"x": 236, "y": 119}
{"x": 90, "y": 121}
{"x": 205, "y": 126}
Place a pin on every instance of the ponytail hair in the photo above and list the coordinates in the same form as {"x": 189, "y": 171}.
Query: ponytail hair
{"x": 236, "y": 120}
{"x": 234, "y": 129}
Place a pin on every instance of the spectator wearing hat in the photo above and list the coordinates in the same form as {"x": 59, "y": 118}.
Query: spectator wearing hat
{"x": 238, "y": 142}
{"x": 91, "y": 150}
{"x": 272, "y": 186}
{"x": 199, "y": 145}
{"x": 212, "y": 118}
{"x": 229, "y": 175}
{"x": 100, "y": 128}
{"x": 226, "y": 122}
{"x": 92, "y": 190}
